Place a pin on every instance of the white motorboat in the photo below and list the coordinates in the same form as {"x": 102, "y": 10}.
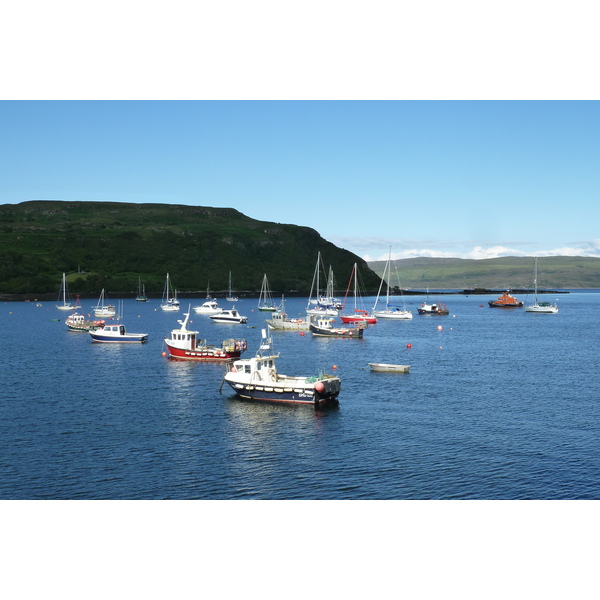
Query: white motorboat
{"x": 229, "y": 316}
{"x": 208, "y": 308}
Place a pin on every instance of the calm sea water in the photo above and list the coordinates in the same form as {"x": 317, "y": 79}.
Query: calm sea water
{"x": 499, "y": 404}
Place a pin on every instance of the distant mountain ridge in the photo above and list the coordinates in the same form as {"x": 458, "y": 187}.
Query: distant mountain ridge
{"x": 554, "y": 272}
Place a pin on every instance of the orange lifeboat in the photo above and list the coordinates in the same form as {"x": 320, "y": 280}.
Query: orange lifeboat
{"x": 505, "y": 301}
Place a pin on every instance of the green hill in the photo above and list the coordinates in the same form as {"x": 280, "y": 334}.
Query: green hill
{"x": 554, "y": 272}
{"x": 109, "y": 245}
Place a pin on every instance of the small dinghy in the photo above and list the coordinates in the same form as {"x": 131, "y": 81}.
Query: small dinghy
{"x": 387, "y": 368}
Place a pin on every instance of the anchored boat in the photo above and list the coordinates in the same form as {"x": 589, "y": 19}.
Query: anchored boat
{"x": 323, "y": 327}
{"x": 257, "y": 379}
{"x": 184, "y": 344}
{"x": 505, "y": 301}
{"x": 78, "y": 322}
{"x": 388, "y": 368}
{"x": 117, "y": 334}
{"x": 229, "y": 316}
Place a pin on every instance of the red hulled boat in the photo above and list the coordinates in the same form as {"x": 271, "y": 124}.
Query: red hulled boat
{"x": 185, "y": 345}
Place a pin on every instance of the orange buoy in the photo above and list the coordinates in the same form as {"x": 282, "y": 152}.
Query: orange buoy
{"x": 164, "y": 353}
{"x": 319, "y": 387}
{"x": 409, "y": 345}
{"x": 334, "y": 367}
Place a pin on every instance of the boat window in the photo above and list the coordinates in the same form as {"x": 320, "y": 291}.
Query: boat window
{"x": 258, "y": 366}
{"x": 247, "y": 369}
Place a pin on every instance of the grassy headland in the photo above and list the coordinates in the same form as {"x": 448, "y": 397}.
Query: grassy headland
{"x": 110, "y": 245}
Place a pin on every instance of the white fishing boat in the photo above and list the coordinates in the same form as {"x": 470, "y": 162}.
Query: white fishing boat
{"x": 104, "y": 310}
{"x": 257, "y": 379}
{"x": 388, "y": 368}
{"x": 63, "y": 295}
{"x": 117, "y": 333}
{"x": 323, "y": 327}
{"x": 265, "y": 300}
{"x": 229, "y": 316}
{"x": 539, "y": 307}
{"x": 391, "y": 311}
{"x": 169, "y": 301}
{"x": 231, "y": 297}
{"x": 432, "y": 308}
{"x": 280, "y": 320}
{"x": 79, "y": 322}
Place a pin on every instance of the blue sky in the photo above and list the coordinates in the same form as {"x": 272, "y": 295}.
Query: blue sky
{"x": 436, "y": 129}
{"x": 428, "y": 178}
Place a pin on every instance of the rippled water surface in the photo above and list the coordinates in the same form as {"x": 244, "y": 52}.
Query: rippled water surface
{"x": 498, "y": 404}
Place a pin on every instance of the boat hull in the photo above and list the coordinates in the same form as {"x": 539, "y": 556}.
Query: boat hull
{"x": 335, "y": 332}
{"x": 129, "y": 338}
{"x": 494, "y": 304}
{"x": 389, "y": 368}
{"x": 207, "y": 354}
{"x": 356, "y": 319}
{"x": 294, "y": 394}
{"x": 280, "y": 321}
{"x": 393, "y": 314}
{"x": 539, "y": 308}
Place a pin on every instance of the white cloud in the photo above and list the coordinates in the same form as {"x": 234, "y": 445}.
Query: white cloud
{"x": 480, "y": 253}
{"x": 375, "y": 249}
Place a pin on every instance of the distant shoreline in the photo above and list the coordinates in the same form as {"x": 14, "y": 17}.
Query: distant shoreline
{"x": 252, "y": 295}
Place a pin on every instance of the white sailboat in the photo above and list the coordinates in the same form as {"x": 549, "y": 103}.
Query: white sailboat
{"x": 169, "y": 298}
{"x": 141, "y": 296}
{"x": 320, "y": 306}
{"x": 66, "y": 304}
{"x": 265, "y": 300}
{"x": 539, "y": 307}
{"x": 391, "y": 311}
{"x": 104, "y": 310}
{"x": 230, "y": 297}
{"x": 359, "y": 314}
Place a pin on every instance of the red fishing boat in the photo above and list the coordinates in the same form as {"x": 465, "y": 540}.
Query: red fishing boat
{"x": 185, "y": 345}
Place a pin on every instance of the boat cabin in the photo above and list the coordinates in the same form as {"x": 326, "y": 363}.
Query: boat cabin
{"x": 258, "y": 368}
